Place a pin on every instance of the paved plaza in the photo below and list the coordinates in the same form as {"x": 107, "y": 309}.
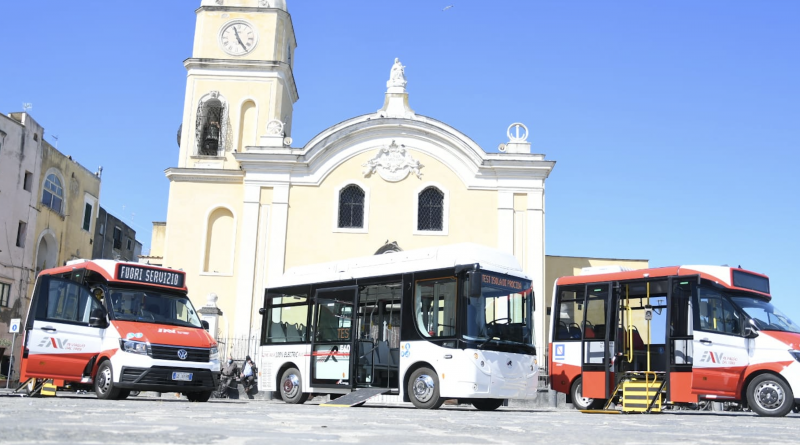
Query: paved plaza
{"x": 142, "y": 420}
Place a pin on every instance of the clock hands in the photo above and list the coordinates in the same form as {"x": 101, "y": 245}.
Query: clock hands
{"x": 238, "y": 38}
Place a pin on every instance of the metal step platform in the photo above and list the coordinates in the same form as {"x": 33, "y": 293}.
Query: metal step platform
{"x": 357, "y": 397}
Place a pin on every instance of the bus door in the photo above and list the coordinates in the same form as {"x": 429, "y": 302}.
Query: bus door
{"x": 679, "y": 339}
{"x": 720, "y": 349}
{"x": 333, "y": 339}
{"x": 597, "y": 345}
{"x": 64, "y": 329}
{"x": 377, "y": 355}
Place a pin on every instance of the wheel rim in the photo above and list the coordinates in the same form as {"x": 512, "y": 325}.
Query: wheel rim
{"x": 769, "y": 395}
{"x": 424, "y": 388}
{"x": 104, "y": 380}
{"x": 291, "y": 385}
{"x": 582, "y": 401}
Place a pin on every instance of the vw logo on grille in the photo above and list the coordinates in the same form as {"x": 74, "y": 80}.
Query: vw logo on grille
{"x": 182, "y": 354}
{"x": 509, "y": 364}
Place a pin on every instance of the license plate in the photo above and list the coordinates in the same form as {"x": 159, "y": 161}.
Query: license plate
{"x": 182, "y": 376}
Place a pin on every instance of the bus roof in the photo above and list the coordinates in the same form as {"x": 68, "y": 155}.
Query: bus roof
{"x": 402, "y": 262}
{"x": 729, "y": 277}
{"x": 135, "y": 273}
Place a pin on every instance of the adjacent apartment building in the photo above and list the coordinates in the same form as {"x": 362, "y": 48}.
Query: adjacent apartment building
{"x": 49, "y": 205}
{"x": 115, "y": 240}
{"x": 21, "y": 138}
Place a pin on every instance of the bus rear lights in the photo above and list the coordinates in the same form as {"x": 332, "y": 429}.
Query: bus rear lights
{"x": 134, "y": 347}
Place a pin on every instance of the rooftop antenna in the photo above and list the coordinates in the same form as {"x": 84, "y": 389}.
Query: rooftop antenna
{"x": 55, "y": 136}
{"x": 27, "y": 106}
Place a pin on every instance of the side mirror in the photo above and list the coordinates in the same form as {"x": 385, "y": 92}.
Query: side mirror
{"x": 97, "y": 319}
{"x": 261, "y": 311}
{"x": 205, "y": 325}
{"x": 475, "y": 282}
{"x": 750, "y": 332}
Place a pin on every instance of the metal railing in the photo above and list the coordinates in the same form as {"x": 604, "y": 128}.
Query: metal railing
{"x": 237, "y": 347}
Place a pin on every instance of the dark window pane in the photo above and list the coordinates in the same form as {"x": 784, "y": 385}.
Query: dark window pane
{"x": 430, "y": 210}
{"x": 87, "y": 217}
{"x": 351, "y": 207}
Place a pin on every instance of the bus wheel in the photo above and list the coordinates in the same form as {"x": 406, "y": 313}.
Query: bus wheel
{"x": 104, "y": 382}
{"x": 199, "y": 396}
{"x": 580, "y": 402}
{"x": 423, "y": 389}
{"x": 770, "y": 396}
{"x": 292, "y": 387}
{"x": 487, "y": 404}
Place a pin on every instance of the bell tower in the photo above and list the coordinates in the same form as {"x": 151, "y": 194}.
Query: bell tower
{"x": 240, "y": 87}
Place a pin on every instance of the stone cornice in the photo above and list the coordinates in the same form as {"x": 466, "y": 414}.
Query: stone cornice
{"x": 199, "y": 66}
{"x": 175, "y": 174}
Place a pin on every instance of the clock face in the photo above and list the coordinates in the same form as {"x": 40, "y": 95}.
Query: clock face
{"x": 238, "y": 38}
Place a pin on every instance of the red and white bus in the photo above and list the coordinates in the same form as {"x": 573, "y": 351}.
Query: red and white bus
{"x": 673, "y": 335}
{"x": 120, "y": 326}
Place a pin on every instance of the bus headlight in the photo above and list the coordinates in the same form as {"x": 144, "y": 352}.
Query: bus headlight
{"x": 214, "y": 356}
{"x": 795, "y": 354}
{"x": 134, "y": 347}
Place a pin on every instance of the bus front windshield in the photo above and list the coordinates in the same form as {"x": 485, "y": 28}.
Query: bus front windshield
{"x": 151, "y": 306}
{"x": 766, "y": 316}
{"x": 499, "y": 315}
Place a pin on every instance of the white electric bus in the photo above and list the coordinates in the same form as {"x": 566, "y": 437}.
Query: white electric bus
{"x": 426, "y": 325}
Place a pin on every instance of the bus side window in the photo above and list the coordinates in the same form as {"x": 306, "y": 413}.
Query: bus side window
{"x": 69, "y": 302}
{"x": 570, "y": 313}
{"x": 717, "y": 314}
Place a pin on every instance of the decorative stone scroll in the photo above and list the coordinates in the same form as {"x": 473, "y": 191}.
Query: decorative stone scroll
{"x": 393, "y": 163}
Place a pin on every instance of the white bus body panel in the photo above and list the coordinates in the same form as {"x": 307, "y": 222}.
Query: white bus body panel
{"x": 462, "y": 375}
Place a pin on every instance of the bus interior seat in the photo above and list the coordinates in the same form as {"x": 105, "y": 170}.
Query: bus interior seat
{"x": 589, "y": 332}
{"x": 276, "y": 332}
{"x": 563, "y": 332}
{"x": 600, "y": 331}
{"x": 574, "y": 331}
{"x": 292, "y": 332}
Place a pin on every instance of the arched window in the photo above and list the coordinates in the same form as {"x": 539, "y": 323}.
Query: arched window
{"x": 53, "y": 193}
{"x": 220, "y": 238}
{"x": 351, "y": 207}
{"x": 210, "y": 125}
{"x": 430, "y": 210}
{"x": 247, "y": 125}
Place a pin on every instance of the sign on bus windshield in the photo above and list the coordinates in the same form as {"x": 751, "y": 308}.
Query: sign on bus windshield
{"x": 147, "y": 275}
{"x": 505, "y": 282}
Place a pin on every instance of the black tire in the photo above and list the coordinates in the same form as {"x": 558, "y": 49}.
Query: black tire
{"x": 199, "y": 396}
{"x": 134, "y": 393}
{"x": 487, "y": 404}
{"x": 769, "y": 396}
{"x": 104, "y": 382}
{"x": 123, "y": 394}
{"x": 291, "y": 387}
{"x": 578, "y": 401}
{"x": 423, "y": 389}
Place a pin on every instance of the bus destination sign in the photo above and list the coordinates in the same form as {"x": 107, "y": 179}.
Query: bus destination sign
{"x": 147, "y": 275}
{"x": 506, "y": 282}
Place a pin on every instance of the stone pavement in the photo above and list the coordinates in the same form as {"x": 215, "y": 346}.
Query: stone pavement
{"x": 69, "y": 418}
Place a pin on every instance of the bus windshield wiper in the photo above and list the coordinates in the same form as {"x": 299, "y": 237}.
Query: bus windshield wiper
{"x": 480, "y": 346}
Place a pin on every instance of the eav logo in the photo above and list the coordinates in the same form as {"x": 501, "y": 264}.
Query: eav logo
{"x": 52, "y": 342}
{"x": 712, "y": 357}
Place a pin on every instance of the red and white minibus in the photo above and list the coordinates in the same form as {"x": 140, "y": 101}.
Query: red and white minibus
{"x": 120, "y": 326}
{"x": 674, "y": 335}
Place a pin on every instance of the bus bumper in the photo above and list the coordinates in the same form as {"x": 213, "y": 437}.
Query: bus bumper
{"x": 161, "y": 379}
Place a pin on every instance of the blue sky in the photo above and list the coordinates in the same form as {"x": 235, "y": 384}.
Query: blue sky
{"x": 675, "y": 125}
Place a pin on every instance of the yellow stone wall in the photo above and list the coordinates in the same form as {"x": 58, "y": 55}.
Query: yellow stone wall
{"x": 312, "y": 212}
{"x": 186, "y": 239}
{"x": 67, "y": 226}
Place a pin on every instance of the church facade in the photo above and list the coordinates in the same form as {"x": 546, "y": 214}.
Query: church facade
{"x": 245, "y": 205}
